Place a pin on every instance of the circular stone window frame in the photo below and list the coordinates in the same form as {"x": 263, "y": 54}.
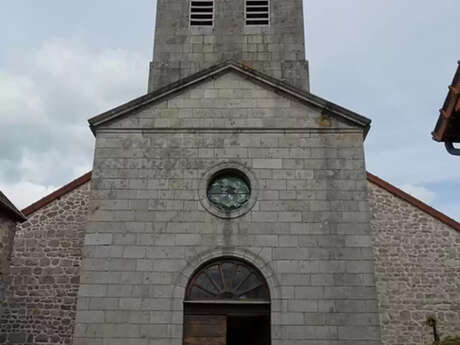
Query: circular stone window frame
{"x": 222, "y": 168}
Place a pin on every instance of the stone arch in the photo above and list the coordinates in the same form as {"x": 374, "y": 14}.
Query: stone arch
{"x": 183, "y": 277}
{"x": 227, "y": 278}
{"x": 200, "y": 259}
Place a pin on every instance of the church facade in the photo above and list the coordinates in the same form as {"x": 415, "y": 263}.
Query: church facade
{"x": 229, "y": 206}
{"x": 416, "y": 271}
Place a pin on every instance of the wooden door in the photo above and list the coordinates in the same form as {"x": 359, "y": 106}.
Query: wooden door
{"x": 205, "y": 330}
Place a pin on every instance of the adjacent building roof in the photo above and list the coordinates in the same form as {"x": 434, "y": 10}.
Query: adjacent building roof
{"x": 7, "y": 206}
{"x": 448, "y": 126}
{"x": 57, "y": 194}
{"x": 413, "y": 201}
{"x": 370, "y": 177}
{"x": 248, "y": 72}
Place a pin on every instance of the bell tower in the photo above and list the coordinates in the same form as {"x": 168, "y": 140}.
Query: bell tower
{"x": 192, "y": 35}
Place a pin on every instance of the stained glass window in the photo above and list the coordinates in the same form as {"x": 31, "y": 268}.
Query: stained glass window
{"x": 228, "y": 192}
{"x": 228, "y": 279}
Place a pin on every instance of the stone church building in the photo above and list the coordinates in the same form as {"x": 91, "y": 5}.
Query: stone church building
{"x": 229, "y": 205}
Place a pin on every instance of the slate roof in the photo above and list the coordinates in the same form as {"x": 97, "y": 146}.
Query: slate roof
{"x": 7, "y": 206}
{"x": 244, "y": 70}
{"x": 448, "y": 126}
{"x": 370, "y": 177}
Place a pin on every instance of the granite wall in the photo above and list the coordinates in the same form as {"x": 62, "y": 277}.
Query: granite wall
{"x": 7, "y": 230}
{"x": 417, "y": 270}
{"x": 149, "y": 227}
{"x": 44, "y": 273}
{"x": 277, "y": 49}
{"x": 417, "y": 273}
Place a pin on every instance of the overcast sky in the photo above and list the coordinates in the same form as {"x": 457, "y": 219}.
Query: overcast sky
{"x": 62, "y": 62}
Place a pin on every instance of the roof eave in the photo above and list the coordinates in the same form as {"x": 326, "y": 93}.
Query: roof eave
{"x": 413, "y": 201}
{"x": 16, "y": 215}
{"x": 449, "y": 113}
{"x": 57, "y": 194}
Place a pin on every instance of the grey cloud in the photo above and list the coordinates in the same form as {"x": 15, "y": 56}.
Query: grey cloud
{"x": 48, "y": 140}
{"x": 389, "y": 60}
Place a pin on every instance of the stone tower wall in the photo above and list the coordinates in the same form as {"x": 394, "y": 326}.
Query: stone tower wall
{"x": 44, "y": 274}
{"x": 181, "y": 50}
{"x": 417, "y": 270}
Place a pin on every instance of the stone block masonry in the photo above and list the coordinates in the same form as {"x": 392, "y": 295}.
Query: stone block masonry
{"x": 402, "y": 319}
{"x": 277, "y": 49}
{"x": 7, "y": 230}
{"x": 44, "y": 274}
{"x": 417, "y": 269}
{"x": 325, "y": 260}
{"x": 308, "y": 231}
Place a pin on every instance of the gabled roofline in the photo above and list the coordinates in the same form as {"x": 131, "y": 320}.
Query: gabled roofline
{"x": 413, "y": 201}
{"x": 244, "y": 70}
{"x": 370, "y": 177}
{"x": 57, "y": 194}
{"x": 8, "y": 207}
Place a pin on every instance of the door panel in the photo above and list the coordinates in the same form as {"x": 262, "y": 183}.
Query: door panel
{"x": 247, "y": 330}
{"x": 205, "y": 330}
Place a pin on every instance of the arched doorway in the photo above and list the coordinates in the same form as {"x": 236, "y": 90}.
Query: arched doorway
{"x": 227, "y": 302}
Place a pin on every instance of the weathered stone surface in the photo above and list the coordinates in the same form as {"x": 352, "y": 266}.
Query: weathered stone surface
{"x": 416, "y": 261}
{"x": 148, "y": 196}
{"x": 146, "y": 227}
{"x": 44, "y": 273}
{"x": 417, "y": 270}
{"x": 7, "y": 231}
{"x": 181, "y": 50}
{"x": 246, "y": 104}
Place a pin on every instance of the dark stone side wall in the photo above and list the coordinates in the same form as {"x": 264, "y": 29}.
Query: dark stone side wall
{"x": 417, "y": 271}
{"x": 7, "y": 229}
{"x": 44, "y": 273}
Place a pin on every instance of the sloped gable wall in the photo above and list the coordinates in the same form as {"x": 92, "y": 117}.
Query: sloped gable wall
{"x": 417, "y": 271}
{"x": 44, "y": 273}
{"x": 229, "y": 100}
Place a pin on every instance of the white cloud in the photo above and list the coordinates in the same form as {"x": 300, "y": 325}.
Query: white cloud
{"x": 19, "y": 98}
{"x": 383, "y": 60}
{"x": 369, "y": 60}
{"x": 420, "y": 192}
{"x": 451, "y": 209}
{"x": 46, "y": 97}
{"x": 96, "y": 79}
{"x": 24, "y": 193}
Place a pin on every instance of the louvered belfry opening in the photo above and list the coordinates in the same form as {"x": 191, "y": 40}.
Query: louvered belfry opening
{"x": 202, "y": 12}
{"x": 257, "y": 12}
